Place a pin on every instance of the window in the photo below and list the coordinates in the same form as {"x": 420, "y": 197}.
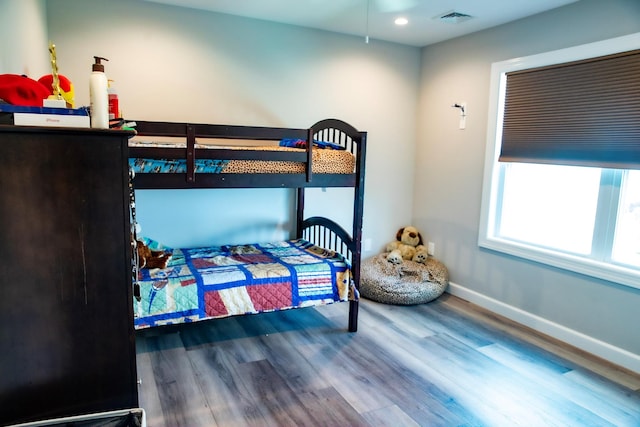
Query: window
{"x": 549, "y": 206}
{"x": 626, "y": 244}
{"x": 583, "y": 218}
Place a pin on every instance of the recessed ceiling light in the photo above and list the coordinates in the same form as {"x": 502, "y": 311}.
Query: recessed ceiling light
{"x": 401, "y": 21}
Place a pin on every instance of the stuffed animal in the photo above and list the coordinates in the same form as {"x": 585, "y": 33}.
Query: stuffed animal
{"x": 408, "y": 245}
{"x": 421, "y": 254}
{"x": 148, "y": 258}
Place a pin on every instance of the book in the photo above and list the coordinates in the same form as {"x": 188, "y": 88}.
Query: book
{"x": 10, "y": 108}
{"x": 44, "y": 116}
{"x": 40, "y": 119}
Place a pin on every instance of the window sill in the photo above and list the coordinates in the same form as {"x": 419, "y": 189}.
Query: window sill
{"x": 600, "y": 270}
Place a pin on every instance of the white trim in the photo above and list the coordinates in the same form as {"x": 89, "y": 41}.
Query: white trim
{"x": 606, "y": 271}
{"x": 577, "y": 339}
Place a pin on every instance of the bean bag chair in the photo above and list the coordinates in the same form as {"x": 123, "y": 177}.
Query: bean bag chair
{"x": 407, "y": 283}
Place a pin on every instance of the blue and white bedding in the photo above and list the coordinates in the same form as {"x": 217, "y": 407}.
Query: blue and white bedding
{"x": 220, "y": 281}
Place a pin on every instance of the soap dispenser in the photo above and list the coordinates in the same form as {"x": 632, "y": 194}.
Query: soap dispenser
{"x": 98, "y": 95}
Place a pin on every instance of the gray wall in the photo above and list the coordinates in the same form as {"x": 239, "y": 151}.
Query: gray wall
{"x": 24, "y": 51}
{"x": 178, "y": 64}
{"x": 449, "y": 171}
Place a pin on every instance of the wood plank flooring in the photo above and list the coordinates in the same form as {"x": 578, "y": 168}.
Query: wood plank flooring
{"x": 446, "y": 363}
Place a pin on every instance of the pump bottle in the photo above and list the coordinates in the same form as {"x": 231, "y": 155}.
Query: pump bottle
{"x": 98, "y": 95}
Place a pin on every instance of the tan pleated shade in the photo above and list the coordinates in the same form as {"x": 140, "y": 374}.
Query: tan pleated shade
{"x": 583, "y": 113}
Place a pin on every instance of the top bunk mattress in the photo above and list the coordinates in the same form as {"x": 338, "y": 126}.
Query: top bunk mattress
{"x": 324, "y": 160}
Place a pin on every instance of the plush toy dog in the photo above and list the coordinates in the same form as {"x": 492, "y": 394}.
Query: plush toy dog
{"x": 421, "y": 254}
{"x": 148, "y": 258}
{"x": 408, "y": 245}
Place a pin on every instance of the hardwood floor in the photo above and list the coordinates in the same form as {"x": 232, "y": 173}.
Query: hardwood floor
{"x": 446, "y": 363}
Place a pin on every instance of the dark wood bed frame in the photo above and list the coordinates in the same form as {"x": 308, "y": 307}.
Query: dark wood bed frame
{"x": 321, "y": 231}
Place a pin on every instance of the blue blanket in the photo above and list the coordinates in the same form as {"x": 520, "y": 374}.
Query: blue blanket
{"x": 203, "y": 283}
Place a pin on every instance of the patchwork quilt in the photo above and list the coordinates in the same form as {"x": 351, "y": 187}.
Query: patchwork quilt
{"x": 211, "y": 282}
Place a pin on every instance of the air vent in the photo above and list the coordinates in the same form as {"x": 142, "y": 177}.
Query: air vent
{"x": 454, "y": 17}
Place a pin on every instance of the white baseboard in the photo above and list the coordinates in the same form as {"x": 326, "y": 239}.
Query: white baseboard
{"x": 577, "y": 339}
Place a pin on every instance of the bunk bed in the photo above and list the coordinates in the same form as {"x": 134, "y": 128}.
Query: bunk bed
{"x": 319, "y": 266}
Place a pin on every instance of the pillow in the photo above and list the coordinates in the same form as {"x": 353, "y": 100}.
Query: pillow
{"x": 154, "y": 244}
{"x": 301, "y": 143}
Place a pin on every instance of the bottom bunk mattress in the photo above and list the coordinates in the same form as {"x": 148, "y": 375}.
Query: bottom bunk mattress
{"x": 221, "y": 281}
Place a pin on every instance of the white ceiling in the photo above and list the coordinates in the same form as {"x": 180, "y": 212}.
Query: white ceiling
{"x": 375, "y": 17}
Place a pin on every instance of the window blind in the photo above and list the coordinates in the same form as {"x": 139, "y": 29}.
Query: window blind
{"x": 582, "y": 113}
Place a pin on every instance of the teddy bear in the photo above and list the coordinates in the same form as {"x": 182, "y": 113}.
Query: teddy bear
{"x": 408, "y": 245}
{"x": 148, "y": 258}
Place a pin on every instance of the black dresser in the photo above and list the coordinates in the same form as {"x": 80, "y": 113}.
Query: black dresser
{"x": 67, "y": 343}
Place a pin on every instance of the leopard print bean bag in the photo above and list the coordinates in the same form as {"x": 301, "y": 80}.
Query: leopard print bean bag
{"x": 407, "y": 283}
